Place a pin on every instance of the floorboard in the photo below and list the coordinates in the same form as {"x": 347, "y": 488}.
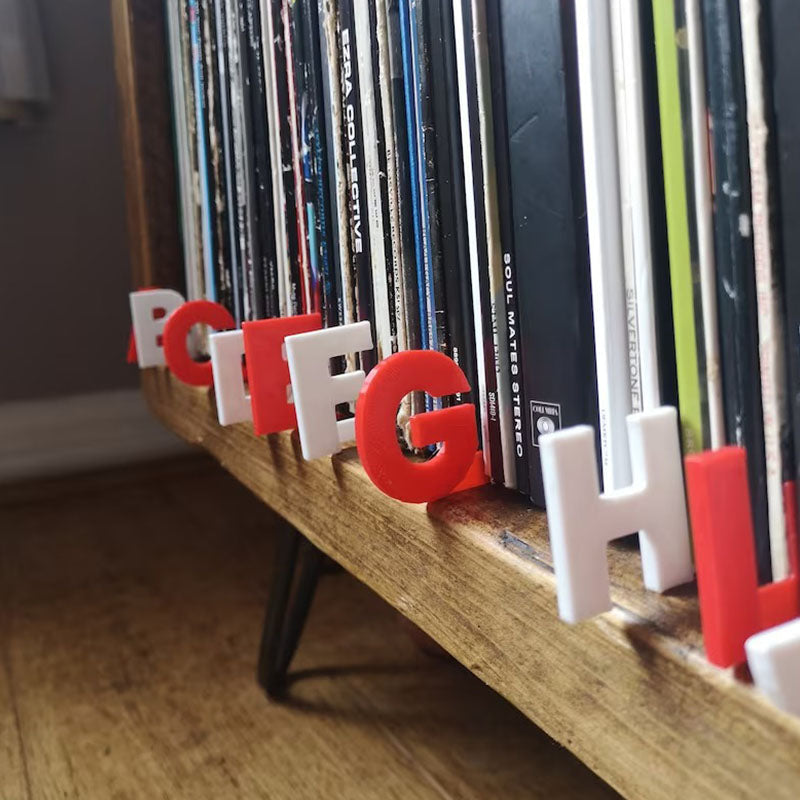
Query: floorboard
{"x": 130, "y": 617}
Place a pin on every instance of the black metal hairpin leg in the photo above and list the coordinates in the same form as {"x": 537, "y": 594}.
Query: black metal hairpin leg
{"x": 287, "y": 610}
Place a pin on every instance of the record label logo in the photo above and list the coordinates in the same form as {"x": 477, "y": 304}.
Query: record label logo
{"x": 545, "y": 418}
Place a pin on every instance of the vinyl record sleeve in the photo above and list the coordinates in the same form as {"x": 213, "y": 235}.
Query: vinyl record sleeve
{"x": 361, "y": 268}
{"x": 455, "y": 242}
{"x": 478, "y": 254}
{"x": 318, "y": 158}
{"x": 662, "y": 294}
{"x": 408, "y": 40}
{"x": 382, "y": 174}
{"x": 182, "y": 100}
{"x": 265, "y": 283}
{"x": 595, "y": 67}
{"x": 513, "y": 343}
{"x": 697, "y": 110}
{"x": 405, "y": 213}
{"x": 202, "y": 152}
{"x": 294, "y": 95}
{"x": 239, "y": 159}
{"x": 221, "y": 231}
{"x": 392, "y": 210}
{"x": 549, "y": 209}
{"x": 734, "y": 256}
{"x": 427, "y": 164}
{"x": 494, "y": 250}
{"x": 784, "y": 67}
{"x": 232, "y": 217}
{"x": 688, "y": 339}
{"x": 273, "y": 112}
{"x": 382, "y": 333}
{"x": 769, "y": 289}
{"x": 285, "y": 165}
{"x": 337, "y": 179}
{"x": 637, "y": 245}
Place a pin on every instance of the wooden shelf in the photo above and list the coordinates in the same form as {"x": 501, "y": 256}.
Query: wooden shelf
{"x": 630, "y": 692}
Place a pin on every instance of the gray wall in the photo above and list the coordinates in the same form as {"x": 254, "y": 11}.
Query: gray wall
{"x": 64, "y": 272}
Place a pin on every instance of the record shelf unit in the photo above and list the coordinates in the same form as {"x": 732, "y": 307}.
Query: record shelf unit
{"x": 629, "y": 692}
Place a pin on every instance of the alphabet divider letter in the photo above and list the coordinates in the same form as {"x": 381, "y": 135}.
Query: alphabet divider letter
{"x": 582, "y": 521}
{"x": 150, "y": 309}
{"x": 176, "y": 332}
{"x": 233, "y": 402}
{"x": 376, "y": 426}
{"x": 271, "y": 394}
{"x": 774, "y": 660}
{"x": 317, "y": 392}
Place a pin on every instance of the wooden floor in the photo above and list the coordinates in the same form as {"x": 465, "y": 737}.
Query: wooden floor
{"x": 130, "y": 610}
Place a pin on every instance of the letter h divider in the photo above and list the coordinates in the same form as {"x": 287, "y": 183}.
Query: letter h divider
{"x": 583, "y": 521}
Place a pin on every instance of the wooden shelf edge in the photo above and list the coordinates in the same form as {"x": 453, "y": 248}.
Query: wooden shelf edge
{"x": 629, "y": 692}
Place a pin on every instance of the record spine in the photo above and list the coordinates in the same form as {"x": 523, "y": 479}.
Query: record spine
{"x": 337, "y": 183}
{"x": 185, "y": 149}
{"x": 273, "y": 125}
{"x": 361, "y": 269}
{"x": 457, "y": 272}
{"x": 704, "y": 225}
{"x": 686, "y": 336}
{"x": 202, "y": 149}
{"x": 297, "y": 163}
{"x": 221, "y": 231}
{"x": 513, "y": 344}
{"x": 605, "y": 239}
{"x": 385, "y": 77}
{"x": 768, "y": 287}
{"x": 473, "y": 177}
{"x": 223, "y": 67}
{"x": 371, "y": 183}
{"x": 784, "y": 65}
{"x": 495, "y": 256}
{"x": 735, "y": 262}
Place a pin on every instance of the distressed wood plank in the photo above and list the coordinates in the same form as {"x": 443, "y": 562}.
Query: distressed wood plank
{"x": 630, "y": 693}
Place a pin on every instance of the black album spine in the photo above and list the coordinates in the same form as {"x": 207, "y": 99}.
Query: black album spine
{"x": 354, "y": 167}
{"x": 437, "y": 64}
{"x": 549, "y": 215}
{"x": 226, "y": 122}
{"x": 455, "y": 240}
{"x": 736, "y": 290}
{"x": 266, "y": 266}
{"x": 782, "y": 71}
{"x": 220, "y": 233}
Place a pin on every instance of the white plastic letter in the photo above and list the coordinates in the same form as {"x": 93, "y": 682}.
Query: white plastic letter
{"x": 774, "y": 660}
{"x": 582, "y": 521}
{"x": 233, "y": 402}
{"x": 147, "y": 327}
{"x": 317, "y": 393}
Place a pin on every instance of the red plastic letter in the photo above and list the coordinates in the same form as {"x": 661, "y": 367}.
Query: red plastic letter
{"x": 268, "y": 371}
{"x": 376, "y": 421}
{"x": 732, "y": 605}
{"x": 183, "y": 366}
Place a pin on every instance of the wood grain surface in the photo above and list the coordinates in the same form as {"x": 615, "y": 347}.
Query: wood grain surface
{"x": 630, "y": 692}
{"x": 148, "y": 161}
{"x": 130, "y": 611}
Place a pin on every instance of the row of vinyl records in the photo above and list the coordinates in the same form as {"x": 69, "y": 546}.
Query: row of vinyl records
{"x": 587, "y": 204}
